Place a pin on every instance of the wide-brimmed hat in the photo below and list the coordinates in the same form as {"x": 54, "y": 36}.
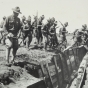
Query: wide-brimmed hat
{"x": 16, "y": 9}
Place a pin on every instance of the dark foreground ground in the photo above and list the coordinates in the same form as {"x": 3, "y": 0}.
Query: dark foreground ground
{"x": 17, "y": 76}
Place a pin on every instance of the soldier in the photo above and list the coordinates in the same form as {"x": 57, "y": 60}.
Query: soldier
{"x": 85, "y": 33}
{"x": 12, "y": 25}
{"x": 52, "y": 35}
{"x": 78, "y": 36}
{"x": 3, "y": 34}
{"x": 27, "y": 29}
{"x": 34, "y": 27}
{"x": 45, "y": 33}
{"x": 63, "y": 31}
{"x": 39, "y": 30}
{"x": 23, "y": 23}
{"x": 56, "y": 39}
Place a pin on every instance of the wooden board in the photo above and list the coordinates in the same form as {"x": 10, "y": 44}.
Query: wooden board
{"x": 58, "y": 65}
{"x": 52, "y": 74}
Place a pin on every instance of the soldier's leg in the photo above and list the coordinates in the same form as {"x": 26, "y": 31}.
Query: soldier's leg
{"x": 30, "y": 39}
{"x": 1, "y": 36}
{"x": 41, "y": 38}
{"x": 8, "y": 48}
{"x": 45, "y": 41}
{"x": 14, "y": 49}
{"x": 36, "y": 36}
{"x": 56, "y": 40}
{"x": 25, "y": 36}
{"x": 3, "y": 41}
{"x": 27, "y": 42}
{"x": 7, "y": 54}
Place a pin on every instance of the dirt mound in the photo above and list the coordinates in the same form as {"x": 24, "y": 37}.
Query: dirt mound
{"x": 19, "y": 75}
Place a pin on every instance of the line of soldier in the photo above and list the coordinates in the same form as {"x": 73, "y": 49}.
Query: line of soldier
{"x": 40, "y": 31}
{"x": 13, "y": 28}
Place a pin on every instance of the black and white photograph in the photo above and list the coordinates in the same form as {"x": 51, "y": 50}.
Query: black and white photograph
{"x": 43, "y": 43}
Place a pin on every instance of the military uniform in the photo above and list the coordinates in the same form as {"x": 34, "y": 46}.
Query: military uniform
{"x": 12, "y": 25}
{"x": 45, "y": 33}
{"x": 52, "y": 35}
{"x": 62, "y": 33}
{"x": 34, "y": 27}
{"x": 39, "y": 32}
{"x": 27, "y": 30}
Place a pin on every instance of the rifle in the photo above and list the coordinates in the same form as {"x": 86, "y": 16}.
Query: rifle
{"x": 61, "y": 23}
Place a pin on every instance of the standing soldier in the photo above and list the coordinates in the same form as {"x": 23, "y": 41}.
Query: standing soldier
{"x": 12, "y": 25}
{"x": 63, "y": 31}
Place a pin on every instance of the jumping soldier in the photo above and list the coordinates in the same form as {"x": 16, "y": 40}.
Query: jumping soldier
{"x": 85, "y": 34}
{"x": 63, "y": 31}
{"x": 78, "y": 38}
{"x": 12, "y": 25}
{"x": 82, "y": 34}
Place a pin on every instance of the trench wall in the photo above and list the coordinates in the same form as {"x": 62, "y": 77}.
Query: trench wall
{"x": 61, "y": 69}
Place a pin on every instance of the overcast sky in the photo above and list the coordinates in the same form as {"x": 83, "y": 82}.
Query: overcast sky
{"x": 73, "y": 11}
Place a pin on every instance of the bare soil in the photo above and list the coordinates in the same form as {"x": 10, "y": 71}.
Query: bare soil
{"x": 17, "y": 76}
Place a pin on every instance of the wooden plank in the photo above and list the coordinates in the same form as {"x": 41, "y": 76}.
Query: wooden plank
{"x": 45, "y": 74}
{"x": 52, "y": 72}
{"x": 57, "y": 62}
{"x": 64, "y": 68}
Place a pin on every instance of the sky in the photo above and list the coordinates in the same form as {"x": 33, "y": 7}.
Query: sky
{"x": 75, "y": 12}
